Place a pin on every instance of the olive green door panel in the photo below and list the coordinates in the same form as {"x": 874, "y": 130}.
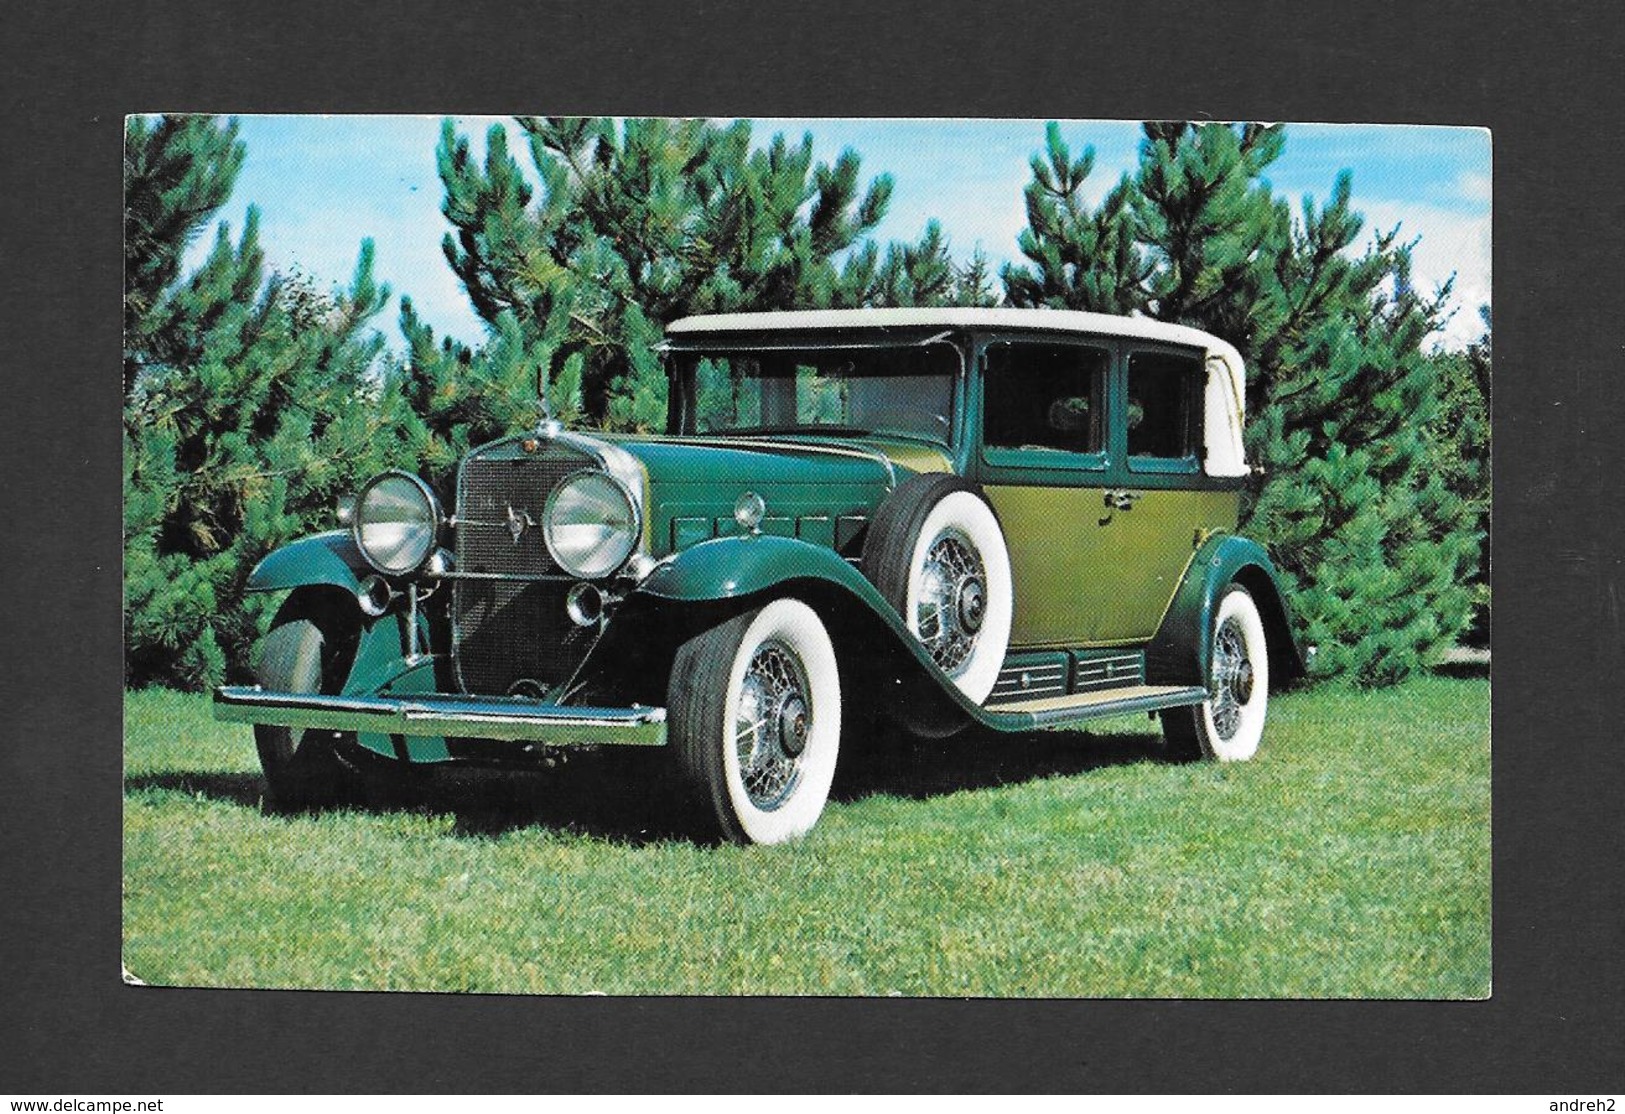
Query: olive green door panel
{"x": 1087, "y": 573}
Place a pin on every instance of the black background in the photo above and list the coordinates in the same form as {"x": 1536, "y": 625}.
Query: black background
{"x": 1548, "y": 85}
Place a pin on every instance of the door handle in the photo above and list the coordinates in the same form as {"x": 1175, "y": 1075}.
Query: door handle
{"x": 1120, "y": 500}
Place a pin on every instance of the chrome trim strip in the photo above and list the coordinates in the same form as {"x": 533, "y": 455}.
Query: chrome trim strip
{"x": 513, "y": 719}
{"x": 512, "y": 577}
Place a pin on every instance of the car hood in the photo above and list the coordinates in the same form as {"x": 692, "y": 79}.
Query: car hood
{"x": 818, "y": 489}
{"x": 770, "y": 462}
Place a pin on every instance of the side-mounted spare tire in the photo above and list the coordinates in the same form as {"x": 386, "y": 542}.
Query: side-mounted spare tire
{"x": 936, "y": 551}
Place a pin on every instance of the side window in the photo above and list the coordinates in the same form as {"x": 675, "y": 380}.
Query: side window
{"x": 1045, "y": 396}
{"x": 1164, "y": 405}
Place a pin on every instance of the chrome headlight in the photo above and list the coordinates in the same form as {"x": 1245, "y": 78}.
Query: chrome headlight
{"x": 397, "y": 522}
{"x": 590, "y": 524}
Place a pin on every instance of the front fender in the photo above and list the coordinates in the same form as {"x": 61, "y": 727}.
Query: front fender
{"x": 331, "y": 558}
{"x": 710, "y": 580}
{"x": 735, "y": 567}
{"x": 1182, "y": 648}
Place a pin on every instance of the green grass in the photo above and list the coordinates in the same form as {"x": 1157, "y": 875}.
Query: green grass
{"x": 1352, "y": 858}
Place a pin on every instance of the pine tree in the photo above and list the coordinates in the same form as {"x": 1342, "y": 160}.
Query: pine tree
{"x": 1374, "y": 545}
{"x": 1080, "y": 259}
{"x": 1212, "y": 225}
{"x": 638, "y": 223}
{"x": 917, "y": 274}
{"x": 178, "y": 172}
{"x": 973, "y": 282}
{"x": 256, "y": 404}
{"x": 1461, "y": 454}
{"x": 457, "y": 397}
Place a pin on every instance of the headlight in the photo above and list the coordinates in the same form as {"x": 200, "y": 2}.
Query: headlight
{"x": 397, "y": 522}
{"x": 590, "y": 524}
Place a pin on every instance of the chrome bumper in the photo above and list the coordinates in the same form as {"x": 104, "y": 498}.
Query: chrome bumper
{"x": 445, "y": 715}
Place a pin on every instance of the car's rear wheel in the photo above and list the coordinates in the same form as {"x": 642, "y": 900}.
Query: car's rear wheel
{"x": 305, "y": 652}
{"x": 1229, "y": 724}
{"x": 755, "y": 719}
{"x": 936, "y": 552}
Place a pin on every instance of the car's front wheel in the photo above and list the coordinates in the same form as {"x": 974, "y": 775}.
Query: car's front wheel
{"x": 1229, "y": 724}
{"x": 755, "y": 719}
{"x": 303, "y": 768}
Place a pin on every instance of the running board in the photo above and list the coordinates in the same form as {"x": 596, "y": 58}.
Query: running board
{"x": 1024, "y": 715}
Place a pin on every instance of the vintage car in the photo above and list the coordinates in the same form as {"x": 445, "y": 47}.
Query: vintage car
{"x": 995, "y": 519}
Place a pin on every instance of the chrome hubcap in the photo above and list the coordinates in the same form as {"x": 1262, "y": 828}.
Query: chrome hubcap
{"x": 1232, "y": 678}
{"x": 953, "y": 601}
{"x": 972, "y": 604}
{"x": 772, "y": 725}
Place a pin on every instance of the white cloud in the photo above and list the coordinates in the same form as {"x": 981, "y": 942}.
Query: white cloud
{"x": 1450, "y": 242}
{"x": 1472, "y": 186}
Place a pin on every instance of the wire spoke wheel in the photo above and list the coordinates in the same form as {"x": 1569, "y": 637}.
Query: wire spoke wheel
{"x": 1232, "y": 678}
{"x": 771, "y": 725}
{"x": 1229, "y": 725}
{"x": 953, "y": 601}
{"x": 936, "y": 552}
{"x": 755, "y": 720}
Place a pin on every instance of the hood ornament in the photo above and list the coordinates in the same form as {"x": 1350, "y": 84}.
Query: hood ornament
{"x": 518, "y": 522}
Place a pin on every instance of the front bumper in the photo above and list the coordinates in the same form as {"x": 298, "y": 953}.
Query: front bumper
{"x": 504, "y": 718}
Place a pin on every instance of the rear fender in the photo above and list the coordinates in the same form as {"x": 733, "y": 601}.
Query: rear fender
{"x": 1182, "y": 649}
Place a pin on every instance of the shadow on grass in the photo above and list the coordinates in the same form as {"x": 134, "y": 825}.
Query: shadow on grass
{"x": 627, "y": 796}
{"x": 920, "y": 769}
{"x": 1464, "y": 670}
{"x": 237, "y": 789}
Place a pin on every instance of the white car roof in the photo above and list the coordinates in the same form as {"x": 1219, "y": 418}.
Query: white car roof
{"x": 1063, "y": 320}
{"x": 1225, "y": 411}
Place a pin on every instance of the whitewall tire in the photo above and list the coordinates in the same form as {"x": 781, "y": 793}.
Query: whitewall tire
{"x": 755, "y": 715}
{"x": 1229, "y": 725}
{"x": 936, "y": 551}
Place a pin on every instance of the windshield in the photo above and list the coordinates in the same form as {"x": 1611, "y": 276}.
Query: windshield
{"x": 852, "y": 392}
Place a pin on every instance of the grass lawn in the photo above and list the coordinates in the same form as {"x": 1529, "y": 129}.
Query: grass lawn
{"x": 1352, "y": 858}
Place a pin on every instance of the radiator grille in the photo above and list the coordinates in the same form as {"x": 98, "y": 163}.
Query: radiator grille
{"x": 511, "y": 635}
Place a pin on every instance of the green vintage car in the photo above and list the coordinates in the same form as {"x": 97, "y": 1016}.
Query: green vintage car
{"x": 953, "y": 518}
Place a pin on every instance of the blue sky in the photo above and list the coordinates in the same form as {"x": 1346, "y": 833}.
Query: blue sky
{"x": 322, "y": 183}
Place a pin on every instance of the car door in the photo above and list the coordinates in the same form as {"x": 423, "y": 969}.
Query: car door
{"x": 1159, "y": 503}
{"x": 1090, "y": 452}
{"x": 1042, "y": 459}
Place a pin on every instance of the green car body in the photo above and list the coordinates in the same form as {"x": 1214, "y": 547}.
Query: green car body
{"x": 1117, "y": 559}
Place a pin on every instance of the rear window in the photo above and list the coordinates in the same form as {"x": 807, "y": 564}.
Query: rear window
{"x": 1164, "y": 405}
